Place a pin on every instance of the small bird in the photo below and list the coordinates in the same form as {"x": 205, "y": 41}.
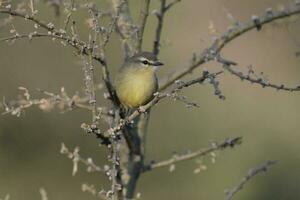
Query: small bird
{"x": 136, "y": 81}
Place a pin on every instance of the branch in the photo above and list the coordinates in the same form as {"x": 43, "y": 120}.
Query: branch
{"x": 105, "y": 72}
{"x": 52, "y": 32}
{"x": 91, "y": 166}
{"x": 230, "y": 142}
{"x": 88, "y": 70}
{"x": 160, "y": 17}
{"x": 258, "y": 80}
{"x": 27, "y": 17}
{"x": 126, "y": 27}
{"x": 158, "y": 97}
{"x": 62, "y": 101}
{"x": 251, "y": 173}
{"x": 252, "y": 77}
{"x": 142, "y": 21}
{"x": 233, "y": 33}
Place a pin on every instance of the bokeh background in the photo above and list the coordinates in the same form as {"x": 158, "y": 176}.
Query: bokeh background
{"x": 267, "y": 120}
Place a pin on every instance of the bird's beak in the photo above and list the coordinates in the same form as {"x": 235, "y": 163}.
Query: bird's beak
{"x": 157, "y": 63}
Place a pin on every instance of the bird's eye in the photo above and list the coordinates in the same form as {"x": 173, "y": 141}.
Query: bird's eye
{"x": 145, "y": 62}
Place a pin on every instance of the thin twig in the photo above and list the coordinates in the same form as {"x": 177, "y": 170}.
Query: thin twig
{"x": 126, "y": 27}
{"x": 91, "y": 166}
{"x": 260, "y": 81}
{"x": 89, "y": 84}
{"x": 144, "y": 12}
{"x": 67, "y": 20}
{"x": 62, "y": 101}
{"x": 252, "y": 77}
{"x": 251, "y": 173}
{"x": 164, "y": 7}
{"x": 105, "y": 72}
{"x": 230, "y": 142}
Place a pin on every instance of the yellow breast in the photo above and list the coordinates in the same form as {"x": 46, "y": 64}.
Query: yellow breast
{"x": 135, "y": 87}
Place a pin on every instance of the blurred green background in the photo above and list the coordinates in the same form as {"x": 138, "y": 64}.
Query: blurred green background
{"x": 267, "y": 120}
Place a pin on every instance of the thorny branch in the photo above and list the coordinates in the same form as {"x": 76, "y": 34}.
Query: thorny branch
{"x": 234, "y": 32}
{"x": 251, "y": 174}
{"x": 230, "y": 142}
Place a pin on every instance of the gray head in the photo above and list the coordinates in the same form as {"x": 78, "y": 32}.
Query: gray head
{"x": 144, "y": 59}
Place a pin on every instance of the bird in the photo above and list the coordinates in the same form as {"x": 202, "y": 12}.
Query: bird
{"x": 136, "y": 81}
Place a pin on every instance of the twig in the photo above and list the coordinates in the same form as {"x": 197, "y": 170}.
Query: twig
{"x": 27, "y": 17}
{"x": 251, "y": 173}
{"x": 260, "y": 81}
{"x": 230, "y": 142}
{"x": 89, "y": 84}
{"x": 91, "y": 166}
{"x": 164, "y": 7}
{"x": 67, "y": 20}
{"x": 142, "y": 21}
{"x": 105, "y": 72}
{"x": 236, "y": 31}
{"x": 43, "y": 194}
{"x": 126, "y": 27}
{"x": 62, "y": 101}
{"x": 252, "y": 77}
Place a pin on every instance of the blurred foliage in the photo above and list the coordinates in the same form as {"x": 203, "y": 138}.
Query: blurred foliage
{"x": 267, "y": 120}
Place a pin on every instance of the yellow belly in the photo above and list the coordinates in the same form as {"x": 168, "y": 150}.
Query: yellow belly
{"x": 136, "y": 87}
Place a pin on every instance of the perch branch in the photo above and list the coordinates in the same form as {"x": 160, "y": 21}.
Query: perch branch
{"x": 157, "y": 98}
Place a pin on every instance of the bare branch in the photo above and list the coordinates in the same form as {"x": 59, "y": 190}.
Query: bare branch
{"x": 142, "y": 21}
{"x": 27, "y": 17}
{"x": 91, "y": 166}
{"x": 43, "y": 193}
{"x": 230, "y": 142}
{"x": 164, "y": 7}
{"x": 259, "y": 80}
{"x": 102, "y": 194}
{"x": 251, "y": 173}
{"x": 252, "y": 77}
{"x": 62, "y": 101}
{"x": 52, "y": 32}
{"x": 89, "y": 84}
{"x": 126, "y": 27}
{"x": 233, "y": 33}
